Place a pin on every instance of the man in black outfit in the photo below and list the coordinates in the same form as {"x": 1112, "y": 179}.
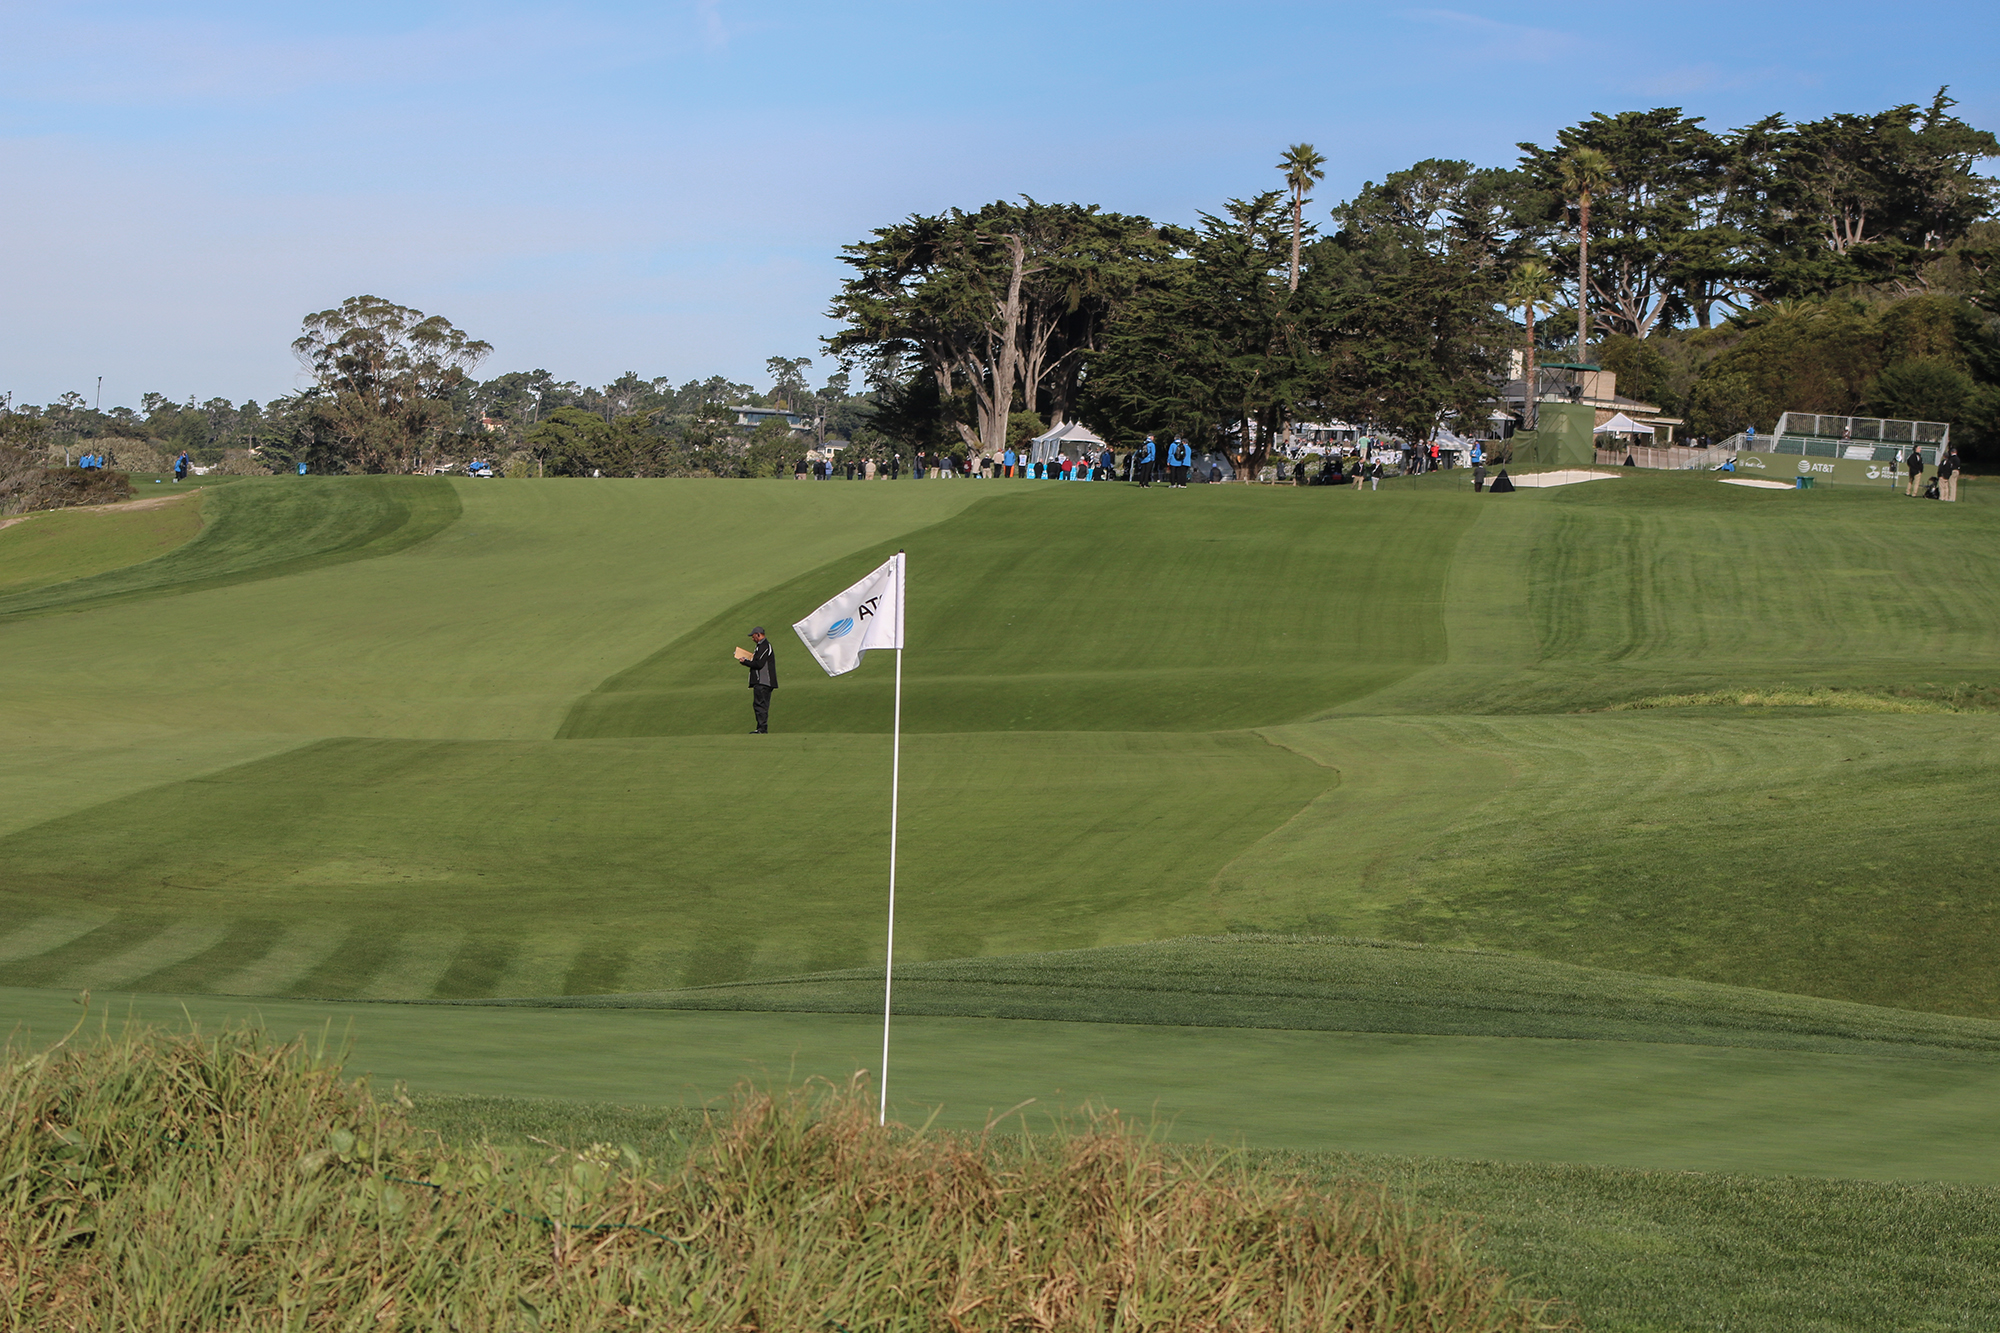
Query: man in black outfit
{"x": 763, "y": 679}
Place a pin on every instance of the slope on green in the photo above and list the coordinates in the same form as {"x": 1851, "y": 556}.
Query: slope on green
{"x": 1832, "y": 855}
{"x": 407, "y": 869}
{"x": 1904, "y": 1113}
{"x": 264, "y": 529}
{"x": 74, "y": 543}
{"x": 1691, "y": 1252}
{"x": 1094, "y": 608}
{"x": 1312, "y": 983}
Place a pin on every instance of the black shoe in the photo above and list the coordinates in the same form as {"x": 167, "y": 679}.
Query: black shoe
{"x": 760, "y": 731}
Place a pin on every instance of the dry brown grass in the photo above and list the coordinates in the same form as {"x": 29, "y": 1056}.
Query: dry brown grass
{"x": 189, "y": 1182}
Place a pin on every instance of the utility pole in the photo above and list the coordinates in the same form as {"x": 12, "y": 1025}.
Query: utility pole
{"x": 100, "y": 394}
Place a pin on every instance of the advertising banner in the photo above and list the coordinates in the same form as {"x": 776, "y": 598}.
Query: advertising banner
{"x": 1823, "y": 471}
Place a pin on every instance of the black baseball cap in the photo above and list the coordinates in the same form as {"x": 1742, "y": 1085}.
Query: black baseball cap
{"x": 756, "y": 629}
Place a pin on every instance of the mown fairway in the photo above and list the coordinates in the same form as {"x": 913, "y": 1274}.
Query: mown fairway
{"x": 406, "y": 739}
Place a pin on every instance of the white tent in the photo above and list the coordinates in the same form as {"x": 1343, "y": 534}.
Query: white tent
{"x": 1070, "y": 439}
{"x": 1622, "y": 425}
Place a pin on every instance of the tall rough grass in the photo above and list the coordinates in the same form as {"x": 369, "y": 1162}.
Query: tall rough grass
{"x": 203, "y": 1182}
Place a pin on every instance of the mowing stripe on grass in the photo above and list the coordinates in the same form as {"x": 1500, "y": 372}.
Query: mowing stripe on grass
{"x": 416, "y": 964}
{"x": 173, "y": 943}
{"x": 540, "y": 965}
{"x": 292, "y": 958}
{"x": 478, "y": 965}
{"x": 40, "y": 935}
{"x": 348, "y": 968}
{"x": 243, "y": 944}
{"x": 1340, "y": 985}
{"x": 76, "y": 958}
{"x": 631, "y": 857}
{"x": 598, "y": 966}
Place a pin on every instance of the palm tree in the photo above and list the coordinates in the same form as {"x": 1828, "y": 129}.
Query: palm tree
{"x": 1301, "y": 165}
{"x": 1530, "y": 287}
{"x": 1584, "y": 172}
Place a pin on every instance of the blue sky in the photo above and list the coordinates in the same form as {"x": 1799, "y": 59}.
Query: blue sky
{"x": 601, "y": 187}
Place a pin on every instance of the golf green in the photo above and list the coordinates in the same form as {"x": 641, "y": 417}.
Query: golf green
{"x": 1878, "y": 1116}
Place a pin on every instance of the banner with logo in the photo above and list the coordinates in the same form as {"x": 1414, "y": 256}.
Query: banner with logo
{"x": 1824, "y": 471}
{"x": 868, "y": 615}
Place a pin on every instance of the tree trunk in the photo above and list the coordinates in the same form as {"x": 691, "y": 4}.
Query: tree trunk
{"x": 994, "y": 436}
{"x": 1583, "y": 277}
{"x": 1298, "y": 209}
{"x": 1528, "y": 412}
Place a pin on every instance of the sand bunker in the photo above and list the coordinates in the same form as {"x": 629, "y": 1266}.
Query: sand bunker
{"x": 1760, "y": 485}
{"x": 1567, "y": 477}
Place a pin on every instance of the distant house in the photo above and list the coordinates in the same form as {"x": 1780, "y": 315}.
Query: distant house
{"x": 754, "y": 417}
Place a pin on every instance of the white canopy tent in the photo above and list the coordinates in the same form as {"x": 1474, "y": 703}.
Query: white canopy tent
{"x": 1070, "y": 439}
{"x": 1622, "y": 425}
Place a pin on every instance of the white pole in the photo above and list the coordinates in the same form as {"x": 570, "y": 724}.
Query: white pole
{"x": 895, "y": 788}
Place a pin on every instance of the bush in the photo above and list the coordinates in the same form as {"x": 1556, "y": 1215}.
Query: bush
{"x": 187, "y": 1182}
{"x": 241, "y": 463}
{"x": 1923, "y": 389}
{"x": 25, "y": 485}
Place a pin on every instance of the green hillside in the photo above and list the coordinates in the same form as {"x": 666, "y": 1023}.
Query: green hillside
{"x": 69, "y": 544}
{"x": 265, "y": 530}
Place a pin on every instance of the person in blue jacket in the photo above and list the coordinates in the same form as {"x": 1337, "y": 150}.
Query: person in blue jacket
{"x": 1179, "y": 456}
{"x": 1145, "y": 468}
{"x": 1007, "y": 462}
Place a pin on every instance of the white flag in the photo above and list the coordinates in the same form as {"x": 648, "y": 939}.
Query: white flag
{"x": 868, "y": 615}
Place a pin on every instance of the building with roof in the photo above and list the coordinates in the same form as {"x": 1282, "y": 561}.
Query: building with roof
{"x": 754, "y": 417}
{"x": 1587, "y": 384}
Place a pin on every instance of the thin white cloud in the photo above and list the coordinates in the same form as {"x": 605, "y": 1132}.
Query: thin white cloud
{"x": 715, "y": 33}
{"x": 1485, "y": 39}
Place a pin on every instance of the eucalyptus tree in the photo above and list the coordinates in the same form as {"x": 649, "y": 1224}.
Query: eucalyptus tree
{"x": 1640, "y": 182}
{"x": 998, "y": 307}
{"x": 1405, "y": 337}
{"x": 1303, "y": 165}
{"x": 1872, "y": 198}
{"x": 1448, "y": 207}
{"x": 1213, "y": 345}
{"x": 788, "y": 381}
{"x": 387, "y": 374}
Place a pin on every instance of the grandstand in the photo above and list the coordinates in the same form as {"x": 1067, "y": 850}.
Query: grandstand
{"x": 1856, "y": 439}
{"x": 1856, "y": 450}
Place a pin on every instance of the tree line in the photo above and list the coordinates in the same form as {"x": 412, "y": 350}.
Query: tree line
{"x": 1834, "y": 265}
{"x": 1840, "y": 265}
{"x": 395, "y": 390}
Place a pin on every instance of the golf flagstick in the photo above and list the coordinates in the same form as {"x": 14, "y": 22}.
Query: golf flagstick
{"x": 895, "y": 788}
{"x": 870, "y": 615}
